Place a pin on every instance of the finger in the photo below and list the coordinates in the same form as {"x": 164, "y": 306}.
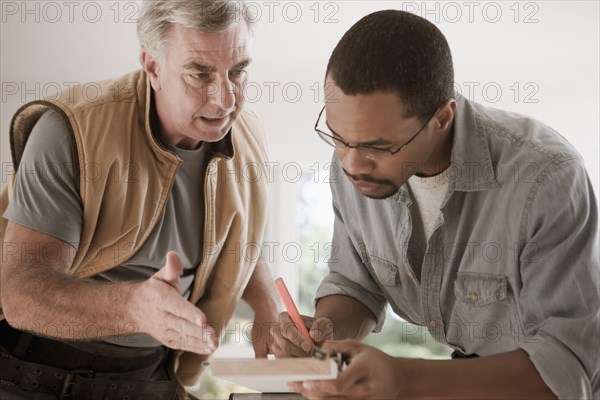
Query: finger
{"x": 298, "y": 387}
{"x": 270, "y": 340}
{"x": 188, "y": 319}
{"x": 184, "y": 309}
{"x": 359, "y": 391}
{"x": 349, "y": 379}
{"x": 275, "y": 348}
{"x": 183, "y": 326}
{"x": 277, "y": 351}
{"x": 308, "y": 321}
{"x": 318, "y": 389}
{"x": 200, "y": 344}
{"x": 188, "y": 335}
{"x": 260, "y": 341}
{"x": 171, "y": 272}
{"x": 357, "y": 369}
{"x": 292, "y": 334}
{"x": 282, "y": 347}
{"x": 285, "y": 348}
{"x": 260, "y": 350}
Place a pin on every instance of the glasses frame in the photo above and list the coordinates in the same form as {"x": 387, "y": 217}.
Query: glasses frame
{"x": 385, "y": 152}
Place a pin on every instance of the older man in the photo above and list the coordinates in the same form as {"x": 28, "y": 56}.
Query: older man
{"x": 126, "y": 240}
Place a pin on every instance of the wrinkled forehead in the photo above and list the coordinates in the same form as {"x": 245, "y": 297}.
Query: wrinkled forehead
{"x": 229, "y": 47}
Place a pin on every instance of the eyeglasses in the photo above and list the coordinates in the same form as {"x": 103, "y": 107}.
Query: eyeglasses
{"x": 369, "y": 152}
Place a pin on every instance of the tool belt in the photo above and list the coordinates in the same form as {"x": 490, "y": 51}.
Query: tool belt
{"x": 91, "y": 371}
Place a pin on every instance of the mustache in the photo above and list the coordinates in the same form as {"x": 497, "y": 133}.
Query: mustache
{"x": 214, "y": 117}
{"x": 367, "y": 178}
{"x": 220, "y": 115}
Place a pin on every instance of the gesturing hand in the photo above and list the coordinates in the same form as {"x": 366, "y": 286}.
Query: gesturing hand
{"x": 159, "y": 310}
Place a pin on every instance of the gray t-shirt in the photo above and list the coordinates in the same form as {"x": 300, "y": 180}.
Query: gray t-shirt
{"x": 46, "y": 199}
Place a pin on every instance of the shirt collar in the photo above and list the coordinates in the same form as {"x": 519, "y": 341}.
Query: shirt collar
{"x": 471, "y": 163}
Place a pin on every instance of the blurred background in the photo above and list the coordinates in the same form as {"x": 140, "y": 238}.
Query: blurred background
{"x": 539, "y": 58}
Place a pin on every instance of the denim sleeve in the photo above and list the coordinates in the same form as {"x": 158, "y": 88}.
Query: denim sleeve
{"x": 348, "y": 275}
{"x": 559, "y": 300}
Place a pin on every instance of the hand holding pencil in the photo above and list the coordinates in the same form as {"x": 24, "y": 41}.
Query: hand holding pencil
{"x": 297, "y": 335}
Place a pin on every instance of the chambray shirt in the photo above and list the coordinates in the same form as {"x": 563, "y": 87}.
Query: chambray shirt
{"x": 512, "y": 262}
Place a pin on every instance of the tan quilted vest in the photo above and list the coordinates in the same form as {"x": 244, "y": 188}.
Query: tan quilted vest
{"x": 125, "y": 180}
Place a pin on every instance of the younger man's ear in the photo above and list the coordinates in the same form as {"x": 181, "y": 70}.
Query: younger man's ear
{"x": 445, "y": 115}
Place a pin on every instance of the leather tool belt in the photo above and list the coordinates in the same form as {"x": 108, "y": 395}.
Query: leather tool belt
{"x": 94, "y": 371}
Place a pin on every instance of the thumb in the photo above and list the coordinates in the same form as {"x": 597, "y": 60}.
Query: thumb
{"x": 171, "y": 271}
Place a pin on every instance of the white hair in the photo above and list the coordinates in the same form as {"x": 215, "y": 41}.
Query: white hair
{"x": 210, "y": 16}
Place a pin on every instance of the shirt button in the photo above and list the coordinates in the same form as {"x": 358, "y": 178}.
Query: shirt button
{"x": 410, "y": 274}
{"x": 433, "y": 323}
{"x": 473, "y": 295}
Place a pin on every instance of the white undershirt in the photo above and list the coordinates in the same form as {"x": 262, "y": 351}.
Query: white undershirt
{"x": 429, "y": 192}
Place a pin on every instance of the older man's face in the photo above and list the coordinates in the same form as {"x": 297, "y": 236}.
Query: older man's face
{"x": 199, "y": 86}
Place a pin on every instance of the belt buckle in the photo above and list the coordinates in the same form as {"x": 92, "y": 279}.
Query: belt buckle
{"x": 66, "y": 392}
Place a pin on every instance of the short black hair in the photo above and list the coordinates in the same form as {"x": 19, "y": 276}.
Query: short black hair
{"x": 393, "y": 51}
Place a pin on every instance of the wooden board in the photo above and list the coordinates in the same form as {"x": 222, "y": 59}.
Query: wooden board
{"x": 267, "y": 375}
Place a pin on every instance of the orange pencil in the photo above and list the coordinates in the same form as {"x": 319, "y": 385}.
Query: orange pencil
{"x": 299, "y": 323}
{"x": 292, "y": 310}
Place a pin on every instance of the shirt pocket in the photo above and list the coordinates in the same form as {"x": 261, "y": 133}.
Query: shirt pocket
{"x": 480, "y": 289}
{"x": 484, "y": 314}
{"x": 386, "y": 273}
{"x": 388, "y": 278}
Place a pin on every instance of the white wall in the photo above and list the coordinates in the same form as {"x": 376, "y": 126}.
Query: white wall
{"x": 547, "y": 50}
